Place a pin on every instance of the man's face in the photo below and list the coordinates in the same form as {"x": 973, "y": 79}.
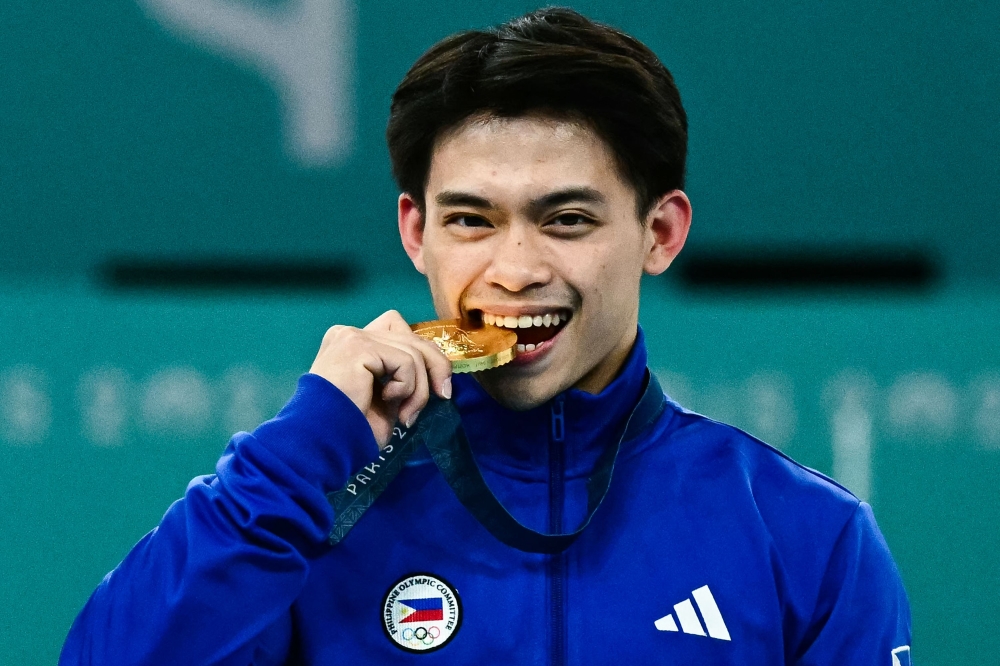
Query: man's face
{"x": 527, "y": 221}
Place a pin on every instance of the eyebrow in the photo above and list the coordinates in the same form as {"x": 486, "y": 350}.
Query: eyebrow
{"x": 563, "y": 197}
{"x": 536, "y": 206}
{"x": 450, "y": 198}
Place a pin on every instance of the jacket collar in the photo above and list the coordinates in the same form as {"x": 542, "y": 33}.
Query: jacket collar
{"x": 519, "y": 444}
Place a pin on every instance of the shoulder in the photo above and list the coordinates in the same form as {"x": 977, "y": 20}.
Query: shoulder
{"x": 799, "y": 508}
{"x": 809, "y": 531}
{"x": 713, "y": 448}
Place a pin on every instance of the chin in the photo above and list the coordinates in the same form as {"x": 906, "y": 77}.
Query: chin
{"x": 517, "y": 393}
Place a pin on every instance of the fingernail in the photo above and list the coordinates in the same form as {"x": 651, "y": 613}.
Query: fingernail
{"x": 413, "y": 419}
{"x": 446, "y": 389}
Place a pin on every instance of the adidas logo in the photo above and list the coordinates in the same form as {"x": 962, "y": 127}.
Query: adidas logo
{"x": 690, "y": 624}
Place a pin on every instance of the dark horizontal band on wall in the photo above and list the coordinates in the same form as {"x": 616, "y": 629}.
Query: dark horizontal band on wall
{"x": 228, "y": 274}
{"x": 810, "y": 270}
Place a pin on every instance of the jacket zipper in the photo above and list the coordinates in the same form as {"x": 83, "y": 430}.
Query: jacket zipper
{"x": 557, "y": 561}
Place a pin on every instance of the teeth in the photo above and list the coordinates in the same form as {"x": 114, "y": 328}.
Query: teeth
{"x": 520, "y": 347}
{"x": 524, "y": 321}
{"x": 529, "y": 347}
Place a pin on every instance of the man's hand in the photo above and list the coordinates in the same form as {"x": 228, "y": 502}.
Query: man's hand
{"x": 386, "y": 369}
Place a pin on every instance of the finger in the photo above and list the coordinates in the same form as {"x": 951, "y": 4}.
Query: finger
{"x": 412, "y": 405}
{"x": 394, "y": 368}
{"x": 410, "y": 408}
{"x": 383, "y": 416}
{"x": 407, "y": 385}
{"x": 390, "y": 320}
{"x": 438, "y": 367}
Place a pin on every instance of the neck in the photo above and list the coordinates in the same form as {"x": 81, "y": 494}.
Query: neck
{"x": 604, "y": 372}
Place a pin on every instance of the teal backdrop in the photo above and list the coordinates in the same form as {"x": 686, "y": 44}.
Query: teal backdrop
{"x": 825, "y": 123}
{"x": 203, "y": 129}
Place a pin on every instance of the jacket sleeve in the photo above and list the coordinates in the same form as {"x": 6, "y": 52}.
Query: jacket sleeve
{"x": 214, "y": 582}
{"x": 862, "y": 616}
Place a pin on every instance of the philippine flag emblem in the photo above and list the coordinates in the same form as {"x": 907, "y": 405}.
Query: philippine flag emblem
{"x": 429, "y": 609}
{"x": 421, "y": 612}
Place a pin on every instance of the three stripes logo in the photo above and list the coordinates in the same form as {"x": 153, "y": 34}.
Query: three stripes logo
{"x": 688, "y": 617}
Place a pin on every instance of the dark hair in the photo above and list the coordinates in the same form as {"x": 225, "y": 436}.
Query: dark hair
{"x": 555, "y": 62}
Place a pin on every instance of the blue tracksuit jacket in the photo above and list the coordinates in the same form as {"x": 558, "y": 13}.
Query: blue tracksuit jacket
{"x": 710, "y": 548}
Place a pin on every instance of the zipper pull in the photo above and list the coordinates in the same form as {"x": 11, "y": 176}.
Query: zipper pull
{"x": 558, "y": 420}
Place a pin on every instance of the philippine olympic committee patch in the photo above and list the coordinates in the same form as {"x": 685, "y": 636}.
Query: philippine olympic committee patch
{"x": 421, "y": 613}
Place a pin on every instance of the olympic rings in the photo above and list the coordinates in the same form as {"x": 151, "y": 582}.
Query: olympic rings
{"x": 422, "y": 634}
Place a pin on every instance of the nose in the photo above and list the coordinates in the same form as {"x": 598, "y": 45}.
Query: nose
{"x": 518, "y": 261}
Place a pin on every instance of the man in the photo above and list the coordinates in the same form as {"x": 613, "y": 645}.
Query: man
{"x": 541, "y": 166}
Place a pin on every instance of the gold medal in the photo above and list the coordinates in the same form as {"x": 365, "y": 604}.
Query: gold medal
{"x": 469, "y": 348}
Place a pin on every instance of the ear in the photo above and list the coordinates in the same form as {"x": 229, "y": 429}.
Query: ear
{"x": 411, "y": 230}
{"x": 667, "y": 226}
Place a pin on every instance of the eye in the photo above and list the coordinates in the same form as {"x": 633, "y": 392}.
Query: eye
{"x": 570, "y": 221}
{"x": 469, "y": 221}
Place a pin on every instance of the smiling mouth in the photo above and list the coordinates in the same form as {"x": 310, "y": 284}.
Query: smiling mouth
{"x": 532, "y": 329}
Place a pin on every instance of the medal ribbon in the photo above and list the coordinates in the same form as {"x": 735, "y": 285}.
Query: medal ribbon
{"x": 439, "y": 428}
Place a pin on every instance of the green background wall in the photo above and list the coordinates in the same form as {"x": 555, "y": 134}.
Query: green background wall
{"x": 822, "y": 125}
{"x": 830, "y": 123}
